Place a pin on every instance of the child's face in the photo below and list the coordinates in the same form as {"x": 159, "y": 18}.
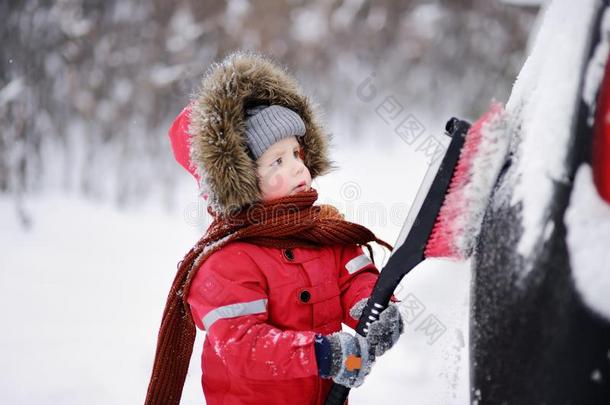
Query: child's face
{"x": 281, "y": 170}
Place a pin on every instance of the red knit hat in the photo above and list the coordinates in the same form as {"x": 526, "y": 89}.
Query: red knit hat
{"x": 181, "y": 143}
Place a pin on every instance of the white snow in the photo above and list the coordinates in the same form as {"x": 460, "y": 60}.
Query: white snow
{"x": 588, "y": 235}
{"x": 545, "y": 90}
{"x": 10, "y": 91}
{"x": 597, "y": 65}
{"x": 82, "y": 292}
{"x": 184, "y": 29}
{"x": 236, "y": 11}
{"x": 309, "y": 24}
{"x": 161, "y": 75}
{"x": 81, "y": 295}
{"x": 344, "y": 15}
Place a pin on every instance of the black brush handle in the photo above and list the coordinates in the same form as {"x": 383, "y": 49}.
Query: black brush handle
{"x": 377, "y": 302}
{"x": 408, "y": 255}
{"x": 338, "y": 395}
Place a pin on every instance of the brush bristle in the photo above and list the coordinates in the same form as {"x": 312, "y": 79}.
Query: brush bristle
{"x": 481, "y": 159}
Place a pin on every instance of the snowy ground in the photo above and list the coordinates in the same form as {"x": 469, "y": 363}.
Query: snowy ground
{"x": 82, "y": 291}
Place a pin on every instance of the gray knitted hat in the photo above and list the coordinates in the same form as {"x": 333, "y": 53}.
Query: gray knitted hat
{"x": 265, "y": 125}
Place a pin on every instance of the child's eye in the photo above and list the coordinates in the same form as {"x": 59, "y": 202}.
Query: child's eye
{"x": 298, "y": 153}
{"x": 277, "y": 162}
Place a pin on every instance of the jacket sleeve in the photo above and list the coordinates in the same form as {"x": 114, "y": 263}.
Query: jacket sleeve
{"x": 228, "y": 299}
{"x": 357, "y": 277}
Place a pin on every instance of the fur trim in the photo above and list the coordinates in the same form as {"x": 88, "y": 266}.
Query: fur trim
{"x": 218, "y": 146}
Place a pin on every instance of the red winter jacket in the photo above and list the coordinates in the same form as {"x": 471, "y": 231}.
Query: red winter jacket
{"x": 261, "y": 308}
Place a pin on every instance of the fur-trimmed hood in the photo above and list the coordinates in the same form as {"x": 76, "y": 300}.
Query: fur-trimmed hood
{"x": 215, "y": 125}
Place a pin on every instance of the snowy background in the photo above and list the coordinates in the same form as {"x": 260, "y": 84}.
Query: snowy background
{"x": 95, "y": 214}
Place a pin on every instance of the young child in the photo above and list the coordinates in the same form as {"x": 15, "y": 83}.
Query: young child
{"x": 275, "y": 275}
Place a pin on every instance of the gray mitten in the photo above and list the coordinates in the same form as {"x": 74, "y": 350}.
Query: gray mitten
{"x": 350, "y": 358}
{"x": 383, "y": 333}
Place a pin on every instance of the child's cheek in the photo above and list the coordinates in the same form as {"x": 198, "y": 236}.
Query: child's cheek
{"x": 273, "y": 183}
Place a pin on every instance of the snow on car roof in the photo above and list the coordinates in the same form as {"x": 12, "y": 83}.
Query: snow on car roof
{"x": 542, "y": 106}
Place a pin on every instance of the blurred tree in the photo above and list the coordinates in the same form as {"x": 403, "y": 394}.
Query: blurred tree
{"x": 88, "y": 87}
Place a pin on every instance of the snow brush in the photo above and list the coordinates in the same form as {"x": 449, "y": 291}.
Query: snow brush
{"x": 445, "y": 218}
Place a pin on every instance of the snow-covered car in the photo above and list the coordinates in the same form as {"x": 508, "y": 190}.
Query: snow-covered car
{"x": 540, "y": 302}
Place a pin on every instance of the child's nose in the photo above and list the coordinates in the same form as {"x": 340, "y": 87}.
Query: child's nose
{"x": 299, "y": 166}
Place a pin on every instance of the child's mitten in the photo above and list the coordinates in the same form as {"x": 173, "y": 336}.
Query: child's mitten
{"x": 344, "y": 358}
{"x": 383, "y": 333}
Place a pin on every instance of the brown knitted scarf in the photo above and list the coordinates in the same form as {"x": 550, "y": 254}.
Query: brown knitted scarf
{"x": 287, "y": 222}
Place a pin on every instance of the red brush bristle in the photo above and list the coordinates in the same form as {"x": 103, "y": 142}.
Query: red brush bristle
{"x": 468, "y": 191}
